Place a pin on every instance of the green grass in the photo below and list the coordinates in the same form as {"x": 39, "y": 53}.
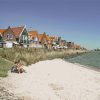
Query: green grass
{"x": 5, "y": 65}
{"x": 30, "y": 56}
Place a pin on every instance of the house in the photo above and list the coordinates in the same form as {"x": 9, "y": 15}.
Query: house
{"x": 53, "y": 40}
{"x": 43, "y": 40}
{"x": 15, "y": 35}
{"x": 33, "y": 39}
{"x": 70, "y": 45}
{"x": 49, "y": 42}
{"x": 63, "y": 43}
{"x": 1, "y": 31}
{"x": 77, "y": 47}
{"x": 2, "y": 43}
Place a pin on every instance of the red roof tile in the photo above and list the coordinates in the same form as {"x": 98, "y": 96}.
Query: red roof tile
{"x": 17, "y": 30}
{"x": 33, "y": 34}
{"x": 2, "y": 30}
{"x": 40, "y": 37}
{"x": 47, "y": 37}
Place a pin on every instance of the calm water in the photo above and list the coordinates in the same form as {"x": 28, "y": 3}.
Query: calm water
{"x": 91, "y": 59}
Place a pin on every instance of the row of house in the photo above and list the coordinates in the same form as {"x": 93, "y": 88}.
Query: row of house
{"x": 19, "y": 36}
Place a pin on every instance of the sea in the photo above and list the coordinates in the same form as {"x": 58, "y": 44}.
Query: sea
{"x": 90, "y": 59}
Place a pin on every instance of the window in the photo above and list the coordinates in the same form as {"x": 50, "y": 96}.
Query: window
{"x": 9, "y": 36}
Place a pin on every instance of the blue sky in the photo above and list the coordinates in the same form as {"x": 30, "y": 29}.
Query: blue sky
{"x": 74, "y": 20}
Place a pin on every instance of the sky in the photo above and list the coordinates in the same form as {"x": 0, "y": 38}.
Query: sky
{"x": 74, "y": 20}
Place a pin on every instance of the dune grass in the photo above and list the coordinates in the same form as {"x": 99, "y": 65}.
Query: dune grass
{"x": 30, "y": 56}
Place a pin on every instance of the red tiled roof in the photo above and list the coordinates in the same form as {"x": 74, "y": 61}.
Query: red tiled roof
{"x": 53, "y": 38}
{"x": 33, "y": 34}
{"x": 2, "y": 30}
{"x": 47, "y": 37}
{"x": 40, "y": 37}
{"x": 17, "y": 30}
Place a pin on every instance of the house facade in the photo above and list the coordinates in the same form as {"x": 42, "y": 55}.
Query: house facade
{"x": 77, "y": 47}
{"x": 43, "y": 40}
{"x": 33, "y": 39}
{"x": 15, "y": 35}
{"x": 2, "y": 43}
{"x": 70, "y": 45}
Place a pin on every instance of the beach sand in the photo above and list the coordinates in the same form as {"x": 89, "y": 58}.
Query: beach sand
{"x": 55, "y": 80}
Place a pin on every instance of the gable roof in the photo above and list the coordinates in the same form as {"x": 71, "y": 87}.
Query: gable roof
{"x": 2, "y": 30}
{"x": 42, "y": 36}
{"x": 33, "y": 34}
{"x": 47, "y": 37}
{"x": 53, "y": 38}
{"x": 17, "y": 30}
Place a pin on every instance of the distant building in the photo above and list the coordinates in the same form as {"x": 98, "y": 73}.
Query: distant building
{"x": 77, "y": 47}
{"x": 70, "y": 45}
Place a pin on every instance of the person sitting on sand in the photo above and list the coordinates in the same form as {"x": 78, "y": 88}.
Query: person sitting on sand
{"x": 14, "y": 68}
{"x": 18, "y": 67}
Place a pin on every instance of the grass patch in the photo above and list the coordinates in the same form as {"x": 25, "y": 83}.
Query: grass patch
{"x": 5, "y": 65}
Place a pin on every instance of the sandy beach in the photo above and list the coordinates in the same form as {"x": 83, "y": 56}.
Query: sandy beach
{"x": 54, "y": 80}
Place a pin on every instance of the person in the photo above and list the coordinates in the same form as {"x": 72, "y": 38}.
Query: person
{"x": 18, "y": 67}
{"x": 14, "y": 67}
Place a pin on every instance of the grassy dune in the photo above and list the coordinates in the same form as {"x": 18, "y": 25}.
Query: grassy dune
{"x": 29, "y": 56}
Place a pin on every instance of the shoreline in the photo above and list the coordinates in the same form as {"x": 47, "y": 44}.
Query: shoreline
{"x": 48, "y": 76}
{"x": 85, "y": 66}
{"x": 83, "y": 63}
{"x": 89, "y": 67}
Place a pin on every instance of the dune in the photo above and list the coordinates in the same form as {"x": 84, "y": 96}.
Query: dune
{"x": 54, "y": 80}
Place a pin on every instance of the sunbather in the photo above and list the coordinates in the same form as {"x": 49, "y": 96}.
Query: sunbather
{"x": 18, "y": 67}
